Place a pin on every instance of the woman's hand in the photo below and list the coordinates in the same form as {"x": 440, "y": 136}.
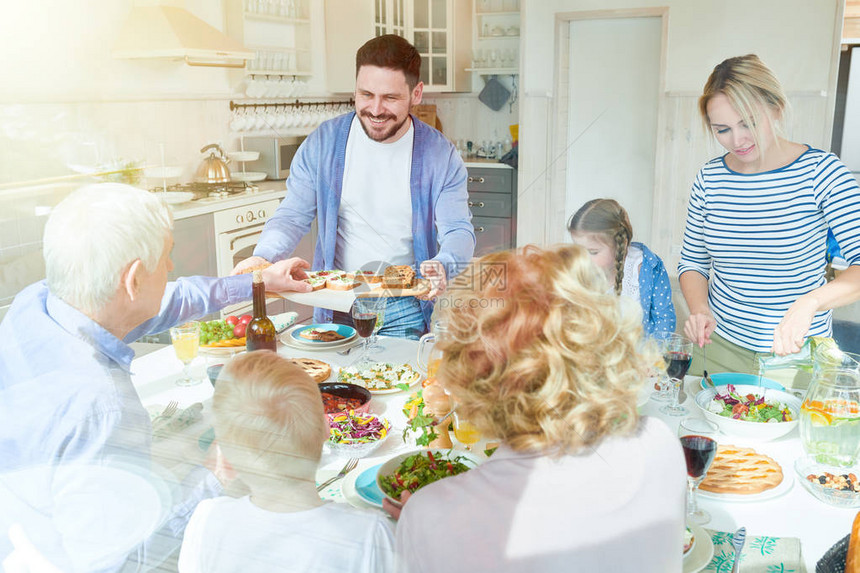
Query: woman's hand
{"x": 392, "y": 509}
{"x": 699, "y": 327}
{"x": 791, "y": 330}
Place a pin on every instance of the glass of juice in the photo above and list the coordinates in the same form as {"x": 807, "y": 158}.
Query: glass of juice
{"x": 186, "y": 342}
{"x": 700, "y": 446}
{"x": 465, "y": 431}
{"x": 830, "y": 417}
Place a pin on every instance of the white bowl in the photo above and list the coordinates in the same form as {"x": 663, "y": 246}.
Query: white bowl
{"x": 391, "y": 465}
{"x": 755, "y": 430}
{"x": 248, "y": 176}
{"x": 241, "y": 156}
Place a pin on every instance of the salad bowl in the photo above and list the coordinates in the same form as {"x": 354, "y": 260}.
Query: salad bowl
{"x": 356, "y": 434}
{"x": 708, "y": 402}
{"x": 432, "y": 465}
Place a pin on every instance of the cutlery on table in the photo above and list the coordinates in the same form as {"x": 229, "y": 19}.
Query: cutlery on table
{"x": 350, "y": 465}
{"x": 171, "y": 409}
{"x": 738, "y": 540}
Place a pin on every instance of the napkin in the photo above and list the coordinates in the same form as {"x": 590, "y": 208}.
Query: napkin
{"x": 164, "y": 426}
{"x": 761, "y": 554}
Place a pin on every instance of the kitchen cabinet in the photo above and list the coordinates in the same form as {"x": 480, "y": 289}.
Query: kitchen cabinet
{"x": 497, "y": 37}
{"x": 277, "y": 31}
{"x": 439, "y": 29}
{"x": 493, "y": 203}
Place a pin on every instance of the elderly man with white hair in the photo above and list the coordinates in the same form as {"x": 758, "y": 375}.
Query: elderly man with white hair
{"x": 66, "y": 395}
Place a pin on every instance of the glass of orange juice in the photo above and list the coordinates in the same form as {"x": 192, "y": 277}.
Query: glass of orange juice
{"x": 465, "y": 431}
{"x": 830, "y": 417}
{"x": 186, "y": 342}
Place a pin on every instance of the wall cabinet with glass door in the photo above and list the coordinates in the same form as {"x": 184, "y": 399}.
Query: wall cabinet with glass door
{"x": 497, "y": 37}
{"x": 439, "y": 29}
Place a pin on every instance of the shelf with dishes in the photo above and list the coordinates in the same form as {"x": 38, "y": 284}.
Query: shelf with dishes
{"x": 275, "y": 18}
{"x": 494, "y": 71}
{"x": 279, "y": 61}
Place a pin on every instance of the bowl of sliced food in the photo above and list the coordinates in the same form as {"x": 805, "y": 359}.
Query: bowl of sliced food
{"x": 356, "y": 434}
{"x": 340, "y": 397}
{"x": 413, "y": 470}
{"x": 750, "y": 411}
{"x": 834, "y": 485}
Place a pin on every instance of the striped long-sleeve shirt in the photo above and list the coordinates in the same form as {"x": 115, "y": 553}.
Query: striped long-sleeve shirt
{"x": 761, "y": 239}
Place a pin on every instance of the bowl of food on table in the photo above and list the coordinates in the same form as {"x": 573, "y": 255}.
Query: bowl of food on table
{"x": 413, "y": 470}
{"x": 356, "y": 434}
{"x": 750, "y": 411}
{"x": 341, "y": 397}
{"x": 834, "y": 485}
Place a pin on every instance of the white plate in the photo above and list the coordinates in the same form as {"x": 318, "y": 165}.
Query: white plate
{"x": 701, "y": 553}
{"x": 287, "y": 340}
{"x": 394, "y": 390}
{"x": 242, "y": 156}
{"x": 174, "y": 197}
{"x": 781, "y": 489}
{"x": 248, "y": 176}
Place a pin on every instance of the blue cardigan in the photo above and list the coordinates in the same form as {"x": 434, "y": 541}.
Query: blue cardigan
{"x": 441, "y": 220}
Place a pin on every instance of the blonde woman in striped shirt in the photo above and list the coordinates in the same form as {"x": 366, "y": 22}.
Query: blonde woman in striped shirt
{"x": 752, "y": 263}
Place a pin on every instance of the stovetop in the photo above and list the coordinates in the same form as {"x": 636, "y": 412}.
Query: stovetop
{"x": 204, "y": 191}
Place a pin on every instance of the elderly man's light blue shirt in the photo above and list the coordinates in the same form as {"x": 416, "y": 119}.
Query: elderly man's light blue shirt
{"x": 65, "y": 382}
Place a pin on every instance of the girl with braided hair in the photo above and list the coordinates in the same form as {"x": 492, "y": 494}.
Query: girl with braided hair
{"x": 603, "y": 228}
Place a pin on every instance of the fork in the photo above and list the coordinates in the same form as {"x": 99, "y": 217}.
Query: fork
{"x": 171, "y": 408}
{"x": 350, "y": 465}
{"x": 738, "y": 540}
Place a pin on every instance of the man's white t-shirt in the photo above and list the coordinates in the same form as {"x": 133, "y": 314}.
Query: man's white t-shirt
{"x": 375, "y": 215}
{"x": 226, "y": 535}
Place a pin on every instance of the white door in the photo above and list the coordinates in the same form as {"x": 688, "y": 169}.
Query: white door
{"x": 613, "y": 98}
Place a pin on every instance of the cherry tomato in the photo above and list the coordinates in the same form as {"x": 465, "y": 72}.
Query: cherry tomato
{"x": 239, "y": 330}
{"x": 232, "y": 320}
{"x": 245, "y": 318}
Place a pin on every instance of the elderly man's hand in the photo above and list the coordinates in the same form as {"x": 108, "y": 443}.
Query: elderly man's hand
{"x": 287, "y": 275}
{"x": 247, "y": 264}
{"x": 434, "y": 271}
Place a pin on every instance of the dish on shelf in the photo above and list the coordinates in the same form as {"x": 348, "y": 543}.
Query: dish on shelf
{"x": 248, "y": 176}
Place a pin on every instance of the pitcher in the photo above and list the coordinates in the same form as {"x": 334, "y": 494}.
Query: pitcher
{"x": 830, "y": 417}
{"x": 429, "y": 356}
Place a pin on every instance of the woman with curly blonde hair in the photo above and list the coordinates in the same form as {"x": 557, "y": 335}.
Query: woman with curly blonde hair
{"x": 540, "y": 356}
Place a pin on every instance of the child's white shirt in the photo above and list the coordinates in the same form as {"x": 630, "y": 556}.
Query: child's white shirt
{"x": 227, "y": 535}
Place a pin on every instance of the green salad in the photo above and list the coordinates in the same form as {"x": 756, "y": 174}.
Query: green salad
{"x": 749, "y": 408}
{"x": 422, "y": 468}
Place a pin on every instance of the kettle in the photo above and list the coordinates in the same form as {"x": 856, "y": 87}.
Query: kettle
{"x": 214, "y": 168}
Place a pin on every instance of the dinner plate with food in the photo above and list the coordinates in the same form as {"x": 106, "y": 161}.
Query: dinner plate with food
{"x": 381, "y": 377}
{"x": 698, "y": 548}
{"x": 742, "y": 474}
{"x": 360, "y": 490}
{"x": 321, "y": 335}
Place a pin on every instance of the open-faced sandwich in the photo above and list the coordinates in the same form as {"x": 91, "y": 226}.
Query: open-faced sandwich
{"x": 366, "y": 276}
{"x": 399, "y": 276}
{"x": 321, "y": 334}
{"x": 341, "y": 282}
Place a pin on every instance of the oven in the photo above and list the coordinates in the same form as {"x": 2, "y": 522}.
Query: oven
{"x": 237, "y": 231}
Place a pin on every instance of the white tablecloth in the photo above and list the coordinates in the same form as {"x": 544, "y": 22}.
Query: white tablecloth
{"x": 794, "y": 514}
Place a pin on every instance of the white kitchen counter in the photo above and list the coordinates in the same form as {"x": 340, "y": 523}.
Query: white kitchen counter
{"x": 268, "y": 190}
{"x": 492, "y": 163}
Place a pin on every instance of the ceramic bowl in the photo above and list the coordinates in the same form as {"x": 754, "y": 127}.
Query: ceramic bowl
{"x": 754, "y": 430}
{"x": 389, "y": 467}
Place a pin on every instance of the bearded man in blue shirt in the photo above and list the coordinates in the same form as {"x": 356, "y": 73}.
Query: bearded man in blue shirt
{"x": 384, "y": 187}
{"x": 66, "y": 395}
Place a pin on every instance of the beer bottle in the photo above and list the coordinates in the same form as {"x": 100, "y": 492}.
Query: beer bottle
{"x": 260, "y": 334}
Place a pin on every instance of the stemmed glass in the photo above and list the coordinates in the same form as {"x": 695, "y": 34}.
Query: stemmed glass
{"x": 363, "y": 314}
{"x": 677, "y": 354}
{"x": 186, "y": 342}
{"x": 698, "y": 440}
{"x": 374, "y": 345}
{"x": 465, "y": 431}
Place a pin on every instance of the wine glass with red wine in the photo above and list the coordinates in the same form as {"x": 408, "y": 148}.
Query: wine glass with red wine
{"x": 363, "y": 314}
{"x": 677, "y": 354}
{"x": 698, "y": 440}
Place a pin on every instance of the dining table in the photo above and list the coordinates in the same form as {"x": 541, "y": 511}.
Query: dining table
{"x": 792, "y": 513}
